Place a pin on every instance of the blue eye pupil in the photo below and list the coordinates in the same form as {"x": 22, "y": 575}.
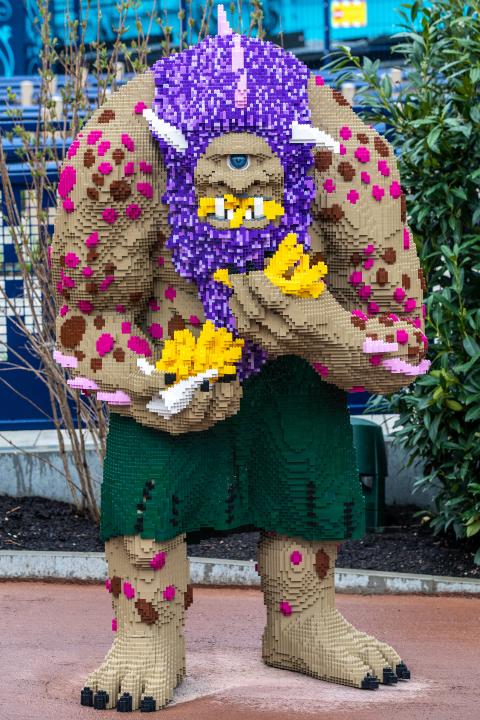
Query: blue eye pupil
{"x": 238, "y": 162}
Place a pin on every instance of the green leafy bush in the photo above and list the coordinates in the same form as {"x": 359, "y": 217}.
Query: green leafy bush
{"x": 433, "y": 120}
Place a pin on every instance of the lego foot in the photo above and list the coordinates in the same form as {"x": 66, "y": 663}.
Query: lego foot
{"x": 402, "y": 671}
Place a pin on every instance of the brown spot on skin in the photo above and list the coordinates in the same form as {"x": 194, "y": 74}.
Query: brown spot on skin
{"x": 135, "y": 297}
{"x": 175, "y": 323}
{"x": 147, "y": 612}
{"x": 356, "y": 258}
{"x": 385, "y": 320}
{"x": 106, "y": 116}
{"x": 116, "y": 585}
{"x": 99, "y": 322}
{"x": 372, "y": 336}
{"x": 188, "y": 597}
{"x": 79, "y": 355}
{"x": 403, "y": 207}
{"x": 346, "y": 170}
{"x": 118, "y": 156}
{"x": 358, "y": 322}
{"x": 338, "y": 97}
{"x": 389, "y": 256}
{"x": 89, "y": 158}
{"x": 421, "y": 277}
{"x": 322, "y": 563}
{"x": 419, "y": 337}
{"x": 381, "y": 147}
{"x": 161, "y": 240}
{"x": 96, "y": 364}
{"x": 119, "y": 355}
{"x": 413, "y": 351}
{"x": 406, "y": 282}
{"x": 92, "y": 255}
{"x": 109, "y": 268}
{"x": 91, "y": 287}
{"x": 390, "y": 338}
{"x": 120, "y": 190}
{"x": 92, "y": 194}
{"x": 66, "y": 294}
{"x": 72, "y": 331}
{"x": 61, "y": 261}
{"x": 98, "y": 179}
{"x": 363, "y": 138}
{"x": 323, "y": 160}
{"x": 316, "y": 258}
{"x": 382, "y": 276}
{"x": 332, "y": 214}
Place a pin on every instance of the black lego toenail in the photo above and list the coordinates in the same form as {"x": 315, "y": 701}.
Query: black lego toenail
{"x": 86, "y": 697}
{"x": 369, "y": 682}
{"x": 148, "y": 704}
{"x": 124, "y": 704}
{"x": 100, "y": 700}
{"x": 389, "y": 677}
{"x": 403, "y": 673}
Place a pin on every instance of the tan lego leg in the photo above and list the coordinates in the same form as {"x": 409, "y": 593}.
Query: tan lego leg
{"x": 148, "y": 581}
{"x": 305, "y": 632}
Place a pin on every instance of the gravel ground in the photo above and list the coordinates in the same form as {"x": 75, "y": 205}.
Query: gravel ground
{"x": 404, "y": 546}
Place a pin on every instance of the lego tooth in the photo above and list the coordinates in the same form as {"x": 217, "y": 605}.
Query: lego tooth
{"x": 258, "y": 208}
{"x": 248, "y": 214}
{"x": 220, "y": 208}
{"x": 229, "y": 214}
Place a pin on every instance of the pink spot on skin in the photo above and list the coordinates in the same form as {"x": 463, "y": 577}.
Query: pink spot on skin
{"x": 93, "y": 137}
{"x": 129, "y": 169}
{"x": 92, "y": 240}
{"x": 285, "y": 608}
{"x": 362, "y": 154}
{"x": 399, "y": 294}
{"x": 402, "y": 337}
{"x": 103, "y": 147}
{"x": 108, "y": 585}
{"x": 105, "y": 168}
{"x": 139, "y": 346}
{"x": 64, "y": 310}
{"x": 296, "y": 557}
{"x": 353, "y": 196}
{"x": 375, "y": 359}
{"x": 373, "y": 308}
{"x": 194, "y": 320}
{"x": 68, "y": 282}
{"x": 355, "y": 278}
{"x": 369, "y": 249}
{"x": 393, "y": 317}
{"x": 104, "y": 344}
{"x": 345, "y": 133}
{"x": 322, "y": 370}
{"x": 128, "y": 142}
{"x": 59, "y": 287}
{"x": 114, "y": 625}
{"x": 109, "y": 215}
{"x": 68, "y": 205}
{"x": 126, "y": 327}
{"x": 169, "y": 593}
{"x": 410, "y": 305}
{"x": 158, "y": 561}
{"x": 160, "y": 261}
{"x": 156, "y": 331}
{"x": 343, "y": 149}
{"x": 424, "y": 310}
{"x": 395, "y": 190}
{"x": 365, "y": 292}
{"x": 128, "y": 591}
{"x": 145, "y": 167}
{"x": 49, "y": 255}
{"x": 133, "y": 211}
{"x": 417, "y": 322}
{"x": 106, "y": 282}
{"x": 357, "y": 389}
{"x": 170, "y": 293}
{"x": 368, "y": 263}
{"x": 85, "y": 306}
{"x": 359, "y": 314}
{"x": 329, "y": 185}
{"x": 383, "y": 168}
{"x": 71, "y": 260}
{"x": 365, "y": 177}
{"x": 406, "y": 239}
{"x": 145, "y": 189}
{"x": 378, "y": 192}
{"x": 72, "y": 150}
{"x": 87, "y": 271}
{"x": 139, "y": 108}
{"x": 120, "y": 308}
{"x": 319, "y": 80}
{"x": 153, "y": 305}
{"x": 66, "y": 183}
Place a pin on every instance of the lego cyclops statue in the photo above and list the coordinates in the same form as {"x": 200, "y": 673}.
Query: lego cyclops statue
{"x": 230, "y": 257}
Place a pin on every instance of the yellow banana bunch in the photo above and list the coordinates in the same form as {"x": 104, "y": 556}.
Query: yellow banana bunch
{"x": 289, "y": 269}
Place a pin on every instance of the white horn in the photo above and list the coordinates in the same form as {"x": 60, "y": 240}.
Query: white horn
{"x": 172, "y": 135}
{"x": 310, "y": 134}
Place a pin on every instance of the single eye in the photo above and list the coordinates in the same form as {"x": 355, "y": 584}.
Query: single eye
{"x": 238, "y": 162}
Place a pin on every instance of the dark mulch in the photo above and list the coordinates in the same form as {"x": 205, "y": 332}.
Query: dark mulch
{"x": 406, "y": 545}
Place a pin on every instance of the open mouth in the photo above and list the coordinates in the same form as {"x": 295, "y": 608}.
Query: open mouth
{"x": 228, "y": 211}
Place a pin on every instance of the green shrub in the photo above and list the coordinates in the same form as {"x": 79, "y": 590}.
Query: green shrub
{"x": 433, "y": 120}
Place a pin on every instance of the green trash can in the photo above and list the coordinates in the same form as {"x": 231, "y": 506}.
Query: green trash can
{"x": 372, "y": 466}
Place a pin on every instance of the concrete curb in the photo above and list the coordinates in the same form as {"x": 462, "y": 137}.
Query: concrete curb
{"x": 91, "y": 567}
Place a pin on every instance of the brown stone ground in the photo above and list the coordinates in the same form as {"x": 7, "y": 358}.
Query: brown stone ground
{"x": 51, "y": 635}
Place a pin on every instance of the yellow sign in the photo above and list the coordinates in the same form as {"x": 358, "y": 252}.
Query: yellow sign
{"x": 349, "y": 13}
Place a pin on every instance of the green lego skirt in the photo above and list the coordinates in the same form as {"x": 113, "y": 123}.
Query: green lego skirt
{"x": 284, "y": 463}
